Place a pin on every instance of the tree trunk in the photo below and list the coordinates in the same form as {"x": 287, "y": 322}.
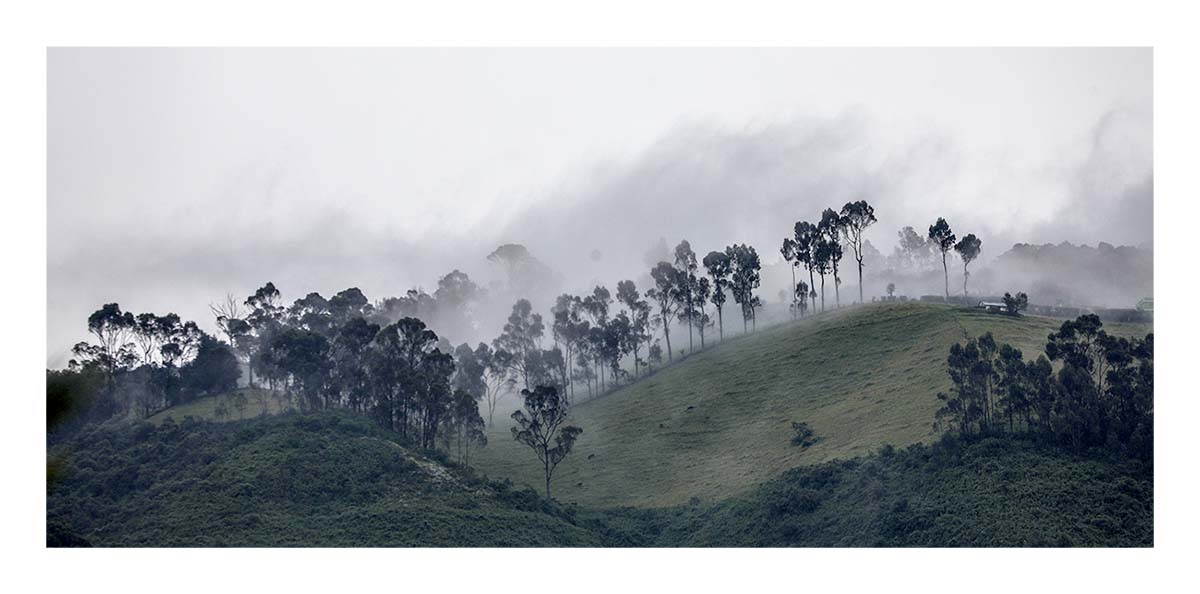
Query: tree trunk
{"x": 822, "y": 292}
{"x": 636, "y": 368}
{"x": 691, "y": 345}
{"x": 812, "y": 285}
{"x": 667, "y": 335}
{"x": 860, "y": 286}
{"x": 837, "y": 286}
{"x": 793, "y": 304}
{"x": 946, "y": 272}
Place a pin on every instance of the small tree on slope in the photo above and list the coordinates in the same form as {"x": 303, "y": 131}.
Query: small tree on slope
{"x": 540, "y": 426}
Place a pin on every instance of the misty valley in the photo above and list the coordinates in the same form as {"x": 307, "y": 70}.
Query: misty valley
{"x": 573, "y": 297}
{"x": 837, "y": 414}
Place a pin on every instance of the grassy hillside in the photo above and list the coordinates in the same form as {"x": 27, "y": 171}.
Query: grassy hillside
{"x": 328, "y": 479}
{"x": 243, "y": 403}
{"x": 331, "y": 479}
{"x": 719, "y": 422}
{"x": 998, "y": 492}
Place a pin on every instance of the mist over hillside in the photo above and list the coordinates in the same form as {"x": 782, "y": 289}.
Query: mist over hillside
{"x": 387, "y": 191}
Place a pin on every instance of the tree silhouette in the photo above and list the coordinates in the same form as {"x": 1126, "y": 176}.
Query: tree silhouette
{"x": 823, "y": 262}
{"x": 968, "y": 250}
{"x": 743, "y": 279}
{"x": 943, "y": 239}
{"x": 807, "y": 238}
{"x": 856, "y": 217}
{"x": 685, "y": 262}
{"x": 521, "y": 339}
{"x": 719, "y": 268}
{"x": 541, "y": 427}
{"x": 639, "y": 313}
{"x": 788, "y": 251}
{"x": 831, "y": 228}
{"x": 666, "y": 282}
{"x": 1014, "y": 305}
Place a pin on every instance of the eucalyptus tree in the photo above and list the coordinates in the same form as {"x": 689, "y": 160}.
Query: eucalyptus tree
{"x": 942, "y": 239}
{"x": 806, "y": 237}
{"x": 465, "y": 424}
{"x": 350, "y": 349}
{"x": 596, "y": 306}
{"x": 856, "y": 217}
{"x": 822, "y": 263}
{"x": 831, "y": 228}
{"x": 788, "y": 251}
{"x": 521, "y": 339}
{"x": 685, "y": 262}
{"x": 639, "y": 314}
{"x": 264, "y": 317}
{"x": 497, "y": 379}
{"x": 700, "y": 298}
{"x": 744, "y": 278}
{"x": 616, "y": 343}
{"x": 719, "y": 268}
{"x": 800, "y": 298}
{"x": 569, "y": 329}
{"x": 968, "y": 249}
{"x": 411, "y": 378}
{"x": 542, "y": 427}
{"x": 666, "y": 283}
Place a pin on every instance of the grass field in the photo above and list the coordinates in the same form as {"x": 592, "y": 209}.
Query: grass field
{"x": 719, "y": 422}
{"x": 256, "y": 403}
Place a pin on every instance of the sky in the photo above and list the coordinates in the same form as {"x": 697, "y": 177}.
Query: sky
{"x": 176, "y": 176}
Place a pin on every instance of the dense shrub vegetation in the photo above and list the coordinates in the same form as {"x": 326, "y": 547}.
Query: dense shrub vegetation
{"x": 997, "y": 491}
{"x": 1102, "y": 395}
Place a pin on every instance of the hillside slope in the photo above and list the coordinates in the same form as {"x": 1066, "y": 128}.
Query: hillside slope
{"x": 996, "y": 492}
{"x": 327, "y": 479}
{"x": 719, "y": 422}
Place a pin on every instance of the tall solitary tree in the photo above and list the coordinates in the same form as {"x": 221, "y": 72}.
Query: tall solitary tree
{"x": 968, "y": 250}
{"x": 718, "y": 266}
{"x": 541, "y": 427}
{"x": 856, "y": 217}
{"x": 943, "y": 240}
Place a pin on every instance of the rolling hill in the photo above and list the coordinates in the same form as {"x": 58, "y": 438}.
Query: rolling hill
{"x": 326, "y": 479}
{"x": 697, "y": 454}
{"x": 719, "y": 422}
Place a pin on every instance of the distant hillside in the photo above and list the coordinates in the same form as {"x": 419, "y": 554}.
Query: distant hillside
{"x": 1074, "y": 274}
{"x": 327, "y": 479}
{"x": 719, "y": 422}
